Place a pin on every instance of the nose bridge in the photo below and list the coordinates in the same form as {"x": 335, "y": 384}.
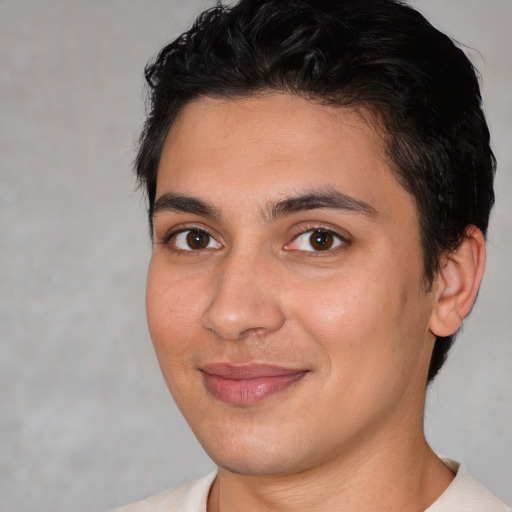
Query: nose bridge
{"x": 245, "y": 299}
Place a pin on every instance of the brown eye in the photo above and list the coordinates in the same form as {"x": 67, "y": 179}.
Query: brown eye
{"x": 321, "y": 240}
{"x": 316, "y": 240}
{"x": 193, "y": 240}
{"x": 197, "y": 239}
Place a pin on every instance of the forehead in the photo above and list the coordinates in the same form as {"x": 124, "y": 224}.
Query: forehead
{"x": 265, "y": 147}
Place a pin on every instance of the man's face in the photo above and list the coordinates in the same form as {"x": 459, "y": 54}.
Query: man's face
{"x": 285, "y": 296}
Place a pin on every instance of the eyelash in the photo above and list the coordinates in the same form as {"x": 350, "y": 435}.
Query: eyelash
{"x": 342, "y": 241}
{"x": 171, "y": 235}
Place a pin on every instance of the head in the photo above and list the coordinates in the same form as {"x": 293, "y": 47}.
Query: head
{"x": 319, "y": 181}
{"x": 377, "y": 56}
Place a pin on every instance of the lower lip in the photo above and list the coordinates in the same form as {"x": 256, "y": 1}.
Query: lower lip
{"x": 249, "y": 391}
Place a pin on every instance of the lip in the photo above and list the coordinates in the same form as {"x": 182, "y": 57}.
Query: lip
{"x": 248, "y": 384}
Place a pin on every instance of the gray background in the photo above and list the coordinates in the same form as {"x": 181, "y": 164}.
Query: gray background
{"x": 85, "y": 420}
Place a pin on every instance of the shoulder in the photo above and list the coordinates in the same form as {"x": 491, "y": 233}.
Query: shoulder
{"x": 190, "y": 497}
{"x": 465, "y": 494}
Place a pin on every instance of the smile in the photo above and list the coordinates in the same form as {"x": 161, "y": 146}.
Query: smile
{"x": 250, "y": 384}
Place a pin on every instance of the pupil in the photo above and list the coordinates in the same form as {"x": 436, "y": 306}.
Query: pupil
{"x": 321, "y": 240}
{"x": 197, "y": 240}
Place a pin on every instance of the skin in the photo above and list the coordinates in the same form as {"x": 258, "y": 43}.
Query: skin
{"x": 357, "y": 318}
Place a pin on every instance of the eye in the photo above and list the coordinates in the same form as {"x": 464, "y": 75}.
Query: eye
{"x": 194, "y": 240}
{"x": 315, "y": 241}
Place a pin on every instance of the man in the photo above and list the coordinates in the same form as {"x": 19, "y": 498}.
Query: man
{"x": 319, "y": 180}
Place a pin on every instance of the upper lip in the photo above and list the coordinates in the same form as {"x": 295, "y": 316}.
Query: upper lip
{"x": 248, "y": 371}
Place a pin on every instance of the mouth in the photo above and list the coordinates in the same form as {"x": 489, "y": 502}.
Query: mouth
{"x": 248, "y": 384}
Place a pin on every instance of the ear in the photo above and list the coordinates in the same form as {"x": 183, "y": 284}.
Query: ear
{"x": 457, "y": 283}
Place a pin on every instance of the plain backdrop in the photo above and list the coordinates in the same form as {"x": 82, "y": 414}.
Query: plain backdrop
{"x": 86, "y": 422}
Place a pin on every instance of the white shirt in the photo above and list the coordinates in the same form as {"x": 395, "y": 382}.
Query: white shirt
{"x": 464, "y": 494}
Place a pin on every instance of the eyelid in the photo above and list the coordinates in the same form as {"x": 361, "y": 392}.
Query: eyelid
{"x": 173, "y": 232}
{"x": 181, "y": 241}
{"x": 300, "y": 230}
{"x": 311, "y": 228}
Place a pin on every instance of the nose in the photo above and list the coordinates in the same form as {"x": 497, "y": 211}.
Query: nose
{"x": 245, "y": 300}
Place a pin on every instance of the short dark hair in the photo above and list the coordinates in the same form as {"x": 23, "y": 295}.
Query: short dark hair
{"x": 380, "y": 55}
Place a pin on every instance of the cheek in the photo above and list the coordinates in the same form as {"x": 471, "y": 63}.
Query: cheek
{"x": 173, "y": 311}
{"x": 342, "y": 306}
{"x": 173, "y": 316}
{"x": 361, "y": 322}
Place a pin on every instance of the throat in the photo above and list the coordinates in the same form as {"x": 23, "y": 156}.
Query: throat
{"x": 374, "y": 485}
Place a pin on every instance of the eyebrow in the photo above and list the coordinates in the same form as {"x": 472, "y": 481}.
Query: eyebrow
{"x": 185, "y": 204}
{"x": 328, "y": 198}
{"x": 309, "y": 201}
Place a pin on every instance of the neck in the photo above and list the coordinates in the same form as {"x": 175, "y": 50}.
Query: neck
{"x": 407, "y": 475}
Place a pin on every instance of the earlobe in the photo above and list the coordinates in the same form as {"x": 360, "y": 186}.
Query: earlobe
{"x": 456, "y": 285}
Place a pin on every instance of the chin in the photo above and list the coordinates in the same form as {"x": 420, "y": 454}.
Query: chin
{"x": 253, "y": 467}
{"x": 255, "y": 456}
